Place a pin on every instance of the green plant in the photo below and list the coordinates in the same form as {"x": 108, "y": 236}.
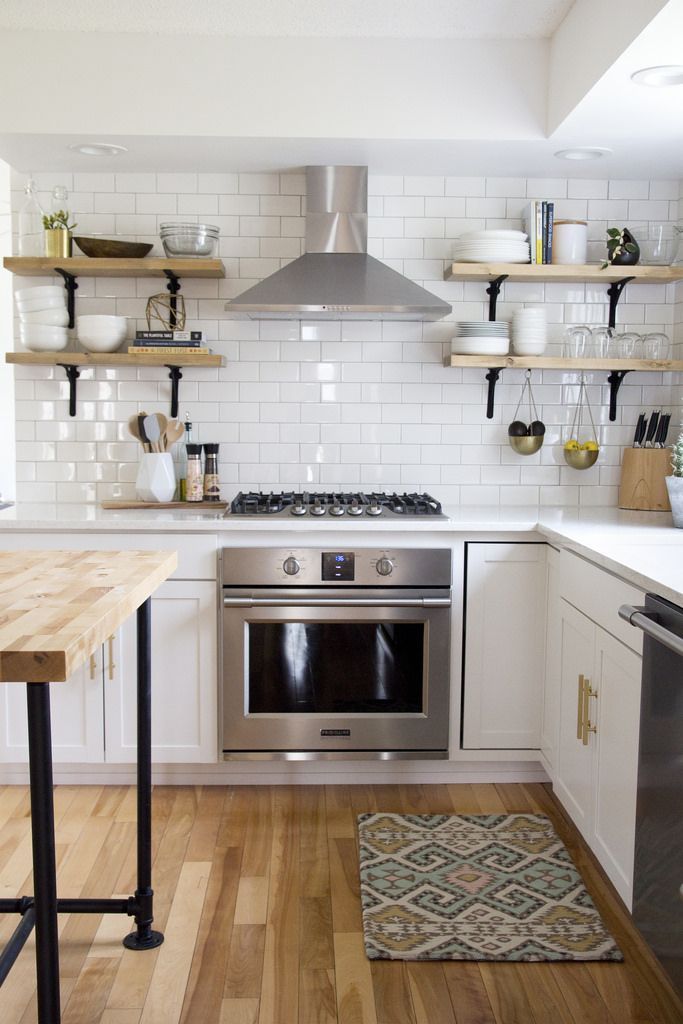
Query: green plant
{"x": 616, "y": 245}
{"x": 58, "y": 220}
{"x": 677, "y": 457}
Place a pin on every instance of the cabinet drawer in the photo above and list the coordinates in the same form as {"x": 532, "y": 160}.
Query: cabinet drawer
{"x": 196, "y": 554}
{"x": 598, "y": 594}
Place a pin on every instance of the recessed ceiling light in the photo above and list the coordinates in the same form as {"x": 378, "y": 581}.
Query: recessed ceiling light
{"x": 582, "y": 153}
{"x": 665, "y": 74}
{"x": 97, "y": 148}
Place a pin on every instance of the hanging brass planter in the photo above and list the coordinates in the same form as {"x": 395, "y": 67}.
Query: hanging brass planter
{"x": 57, "y": 243}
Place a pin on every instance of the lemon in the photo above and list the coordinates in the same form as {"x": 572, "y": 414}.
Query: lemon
{"x": 572, "y": 445}
{"x": 589, "y": 446}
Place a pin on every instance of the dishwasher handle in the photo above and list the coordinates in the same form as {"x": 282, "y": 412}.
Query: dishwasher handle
{"x": 638, "y": 617}
{"x": 336, "y": 602}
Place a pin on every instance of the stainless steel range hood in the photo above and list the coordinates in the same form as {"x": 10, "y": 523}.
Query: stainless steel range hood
{"x": 336, "y": 279}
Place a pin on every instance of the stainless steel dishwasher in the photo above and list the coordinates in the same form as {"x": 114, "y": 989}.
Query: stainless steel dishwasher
{"x": 658, "y": 872}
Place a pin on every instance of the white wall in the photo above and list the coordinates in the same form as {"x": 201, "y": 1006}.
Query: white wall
{"x": 341, "y": 405}
{"x": 7, "y": 452}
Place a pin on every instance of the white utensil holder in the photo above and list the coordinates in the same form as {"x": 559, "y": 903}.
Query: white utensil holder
{"x": 156, "y": 478}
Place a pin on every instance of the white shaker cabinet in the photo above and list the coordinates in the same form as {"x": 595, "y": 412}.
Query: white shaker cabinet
{"x": 184, "y": 673}
{"x": 77, "y": 717}
{"x": 550, "y": 721}
{"x": 504, "y": 645}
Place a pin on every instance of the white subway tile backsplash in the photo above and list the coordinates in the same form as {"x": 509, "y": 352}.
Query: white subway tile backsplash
{"x": 342, "y": 404}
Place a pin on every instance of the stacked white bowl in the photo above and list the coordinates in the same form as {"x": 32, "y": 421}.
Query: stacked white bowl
{"x": 43, "y": 318}
{"x": 481, "y": 338}
{"x": 529, "y": 332}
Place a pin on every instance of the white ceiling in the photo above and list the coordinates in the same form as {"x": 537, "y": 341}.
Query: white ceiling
{"x": 412, "y": 19}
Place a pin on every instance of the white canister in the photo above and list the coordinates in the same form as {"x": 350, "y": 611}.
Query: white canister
{"x": 570, "y": 241}
{"x": 156, "y": 479}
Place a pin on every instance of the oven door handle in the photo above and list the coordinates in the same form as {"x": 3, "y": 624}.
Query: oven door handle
{"x": 638, "y": 617}
{"x": 336, "y": 602}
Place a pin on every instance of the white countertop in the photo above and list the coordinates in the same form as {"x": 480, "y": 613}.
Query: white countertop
{"x": 641, "y": 547}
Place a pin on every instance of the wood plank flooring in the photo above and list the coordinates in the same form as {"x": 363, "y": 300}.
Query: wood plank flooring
{"x": 257, "y": 893}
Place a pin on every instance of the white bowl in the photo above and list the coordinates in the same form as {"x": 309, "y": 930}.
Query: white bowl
{"x": 46, "y": 302}
{"x": 43, "y": 338}
{"x": 101, "y": 333}
{"x": 57, "y": 317}
{"x": 41, "y": 292}
{"x": 480, "y": 346}
{"x": 528, "y": 348}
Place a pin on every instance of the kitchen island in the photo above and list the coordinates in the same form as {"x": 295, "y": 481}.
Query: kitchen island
{"x": 54, "y": 612}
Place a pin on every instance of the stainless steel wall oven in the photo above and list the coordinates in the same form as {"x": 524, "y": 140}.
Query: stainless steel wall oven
{"x": 335, "y": 652}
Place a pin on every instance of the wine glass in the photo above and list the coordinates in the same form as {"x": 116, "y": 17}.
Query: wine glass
{"x": 576, "y": 341}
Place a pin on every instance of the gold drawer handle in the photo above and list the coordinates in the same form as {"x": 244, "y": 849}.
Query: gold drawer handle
{"x": 112, "y": 666}
{"x": 93, "y": 666}
{"x": 588, "y": 692}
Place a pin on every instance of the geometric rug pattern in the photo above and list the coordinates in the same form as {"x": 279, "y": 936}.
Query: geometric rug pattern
{"x": 474, "y": 887}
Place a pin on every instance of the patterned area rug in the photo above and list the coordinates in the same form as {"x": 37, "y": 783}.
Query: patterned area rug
{"x": 474, "y": 887}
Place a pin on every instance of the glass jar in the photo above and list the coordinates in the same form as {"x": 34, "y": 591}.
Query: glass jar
{"x": 194, "y": 487}
{"x": 212, "y": 491}
{"x": 31, "y": 223}
{"x": 59, "y": 199}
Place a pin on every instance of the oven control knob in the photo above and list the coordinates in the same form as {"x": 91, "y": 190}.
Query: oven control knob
{"x": 291, "y": 566}
{"x": 384, "y": 566}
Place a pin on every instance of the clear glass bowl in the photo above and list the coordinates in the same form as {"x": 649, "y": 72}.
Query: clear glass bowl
{"x": 183, "y": 240}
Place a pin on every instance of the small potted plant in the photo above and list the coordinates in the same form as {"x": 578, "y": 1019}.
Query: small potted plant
{"x": 674, "y": 483}
{"x": 622, "y": 248}
{"x": 58, "y": 233}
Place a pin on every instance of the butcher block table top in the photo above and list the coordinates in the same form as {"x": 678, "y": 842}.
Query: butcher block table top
{"x": 57, "y": 607}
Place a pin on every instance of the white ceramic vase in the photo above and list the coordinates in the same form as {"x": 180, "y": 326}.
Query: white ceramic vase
{"x": 674, "y": 485}
{"x": 156, "y": 479}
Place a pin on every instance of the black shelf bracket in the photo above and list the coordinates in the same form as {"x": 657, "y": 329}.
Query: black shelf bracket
{"x": 493, "y": 291}
{"x": 175, "y": 376}
{"x": 614, "y": 380}
{"x": 614, "y": 291}
{"x": 73, "y": 373}
{"x": 71, "y": 284}
{"x": 492, "y": 377}
{"x": 173, "y": 287}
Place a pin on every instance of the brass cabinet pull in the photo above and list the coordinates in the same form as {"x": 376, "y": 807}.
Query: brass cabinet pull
{"x": 579, "y": 718}
{"x": 588, "y": 692}
{"x": 93, "y": 666}
{"x": 112, "y": 666}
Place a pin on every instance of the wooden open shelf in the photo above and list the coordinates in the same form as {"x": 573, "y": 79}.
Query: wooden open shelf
{"x": 87, "y": 266}
{"x": 113, "y": 359}
{"x": 583, "y": 272}
{"x": 561, "y": 363}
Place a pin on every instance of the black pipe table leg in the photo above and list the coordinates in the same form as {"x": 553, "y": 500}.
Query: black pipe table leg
{"x": 144, "y": 937}
{"x": 43, "y": 839}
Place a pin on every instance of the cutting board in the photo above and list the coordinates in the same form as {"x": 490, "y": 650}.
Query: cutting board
{"x": 187, "y": 505}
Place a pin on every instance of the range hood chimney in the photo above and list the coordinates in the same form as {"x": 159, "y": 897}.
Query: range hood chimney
{"x": 336, "y": 279}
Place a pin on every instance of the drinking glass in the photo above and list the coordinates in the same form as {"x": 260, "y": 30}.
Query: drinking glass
{"x": 576, "y": 341}
{"x": 601, "y": 338}
{"x": 627, "y": 345}
{"x": 655, "y": 346}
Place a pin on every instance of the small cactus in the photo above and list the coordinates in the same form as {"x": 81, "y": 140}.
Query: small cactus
{"x": 677, "y": 457}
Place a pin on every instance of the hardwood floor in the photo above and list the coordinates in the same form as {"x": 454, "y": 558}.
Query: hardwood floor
{"x": 257, "y": 894}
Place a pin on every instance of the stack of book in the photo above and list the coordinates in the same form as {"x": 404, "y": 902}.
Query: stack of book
{"x": 170, "y": 343}
{"x": 538, "y": 224}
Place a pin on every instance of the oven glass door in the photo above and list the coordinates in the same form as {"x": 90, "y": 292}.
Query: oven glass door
{"x": 343, "y": 670}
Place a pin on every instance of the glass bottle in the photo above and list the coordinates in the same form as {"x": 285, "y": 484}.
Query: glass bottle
{"x": 212, "y": 490}
{"x": 31, "y": 223}
{"x": 195, "y": 478}
{"x": 181, "y": 465}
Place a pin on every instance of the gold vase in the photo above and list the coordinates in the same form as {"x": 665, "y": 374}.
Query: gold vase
{"x": 57, "y": 243}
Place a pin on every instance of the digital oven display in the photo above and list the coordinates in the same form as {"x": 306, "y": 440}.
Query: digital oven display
{"x": 338, "y": 565}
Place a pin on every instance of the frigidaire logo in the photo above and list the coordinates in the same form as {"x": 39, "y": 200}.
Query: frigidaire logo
{"x": 335, "y": 732}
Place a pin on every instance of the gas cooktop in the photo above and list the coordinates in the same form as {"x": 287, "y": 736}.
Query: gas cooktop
{"x": 335, "y": 505}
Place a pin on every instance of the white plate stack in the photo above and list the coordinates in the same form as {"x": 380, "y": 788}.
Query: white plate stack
{"x": 529, "y": 332}
{"x": 481, "y": 338}
{"x": 500, "y": 246}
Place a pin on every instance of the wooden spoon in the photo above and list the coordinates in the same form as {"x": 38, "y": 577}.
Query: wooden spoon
{"x": 174, "y": 431}
{"x": 150, "y": 426}
{"x": 163, "y": 422}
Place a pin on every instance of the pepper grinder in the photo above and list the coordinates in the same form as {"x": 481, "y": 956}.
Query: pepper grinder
{"x": 212, "y": 491}
{"x": 194, "y": 484}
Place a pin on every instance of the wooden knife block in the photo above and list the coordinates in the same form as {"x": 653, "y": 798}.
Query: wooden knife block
{"x": 643, "y": 483}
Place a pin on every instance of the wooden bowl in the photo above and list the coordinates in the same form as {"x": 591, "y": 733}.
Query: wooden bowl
{"x": 525, "y": 444}
{"x": 578, "y": 459}
{"x": 113, "y": 248}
